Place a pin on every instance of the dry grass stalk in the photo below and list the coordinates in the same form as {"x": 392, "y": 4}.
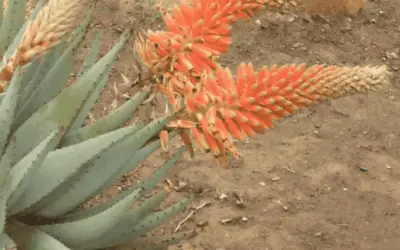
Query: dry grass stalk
{"x": 57, "y": 18}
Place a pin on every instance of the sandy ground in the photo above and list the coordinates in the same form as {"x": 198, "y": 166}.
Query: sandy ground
{"x": 327, "y": 178}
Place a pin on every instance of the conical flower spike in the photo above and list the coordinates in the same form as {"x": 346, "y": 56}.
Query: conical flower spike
{"x": 281, "y": 91}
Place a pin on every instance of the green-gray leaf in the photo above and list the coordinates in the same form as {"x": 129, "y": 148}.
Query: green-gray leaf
{"x": 147, "y": 185}
{"x": 54, "y": 80}
{"x": 93, "y": 54}
{"x": 65, "y": 164}
{"x": 62, "y": 110}
{"x": 108, "y": 123}
{"x": 11, "y": 23}
{"x": 95, "y": 226}
{"x": 101, "y": 83}
{"x": 8, "y": 107}
{"x": 31, "y": 238}
{"x": 144, "y": 226}
{"x": 100, "y": 170}
{"x": 22, "y": 172}
{"x": 6, "y": 242}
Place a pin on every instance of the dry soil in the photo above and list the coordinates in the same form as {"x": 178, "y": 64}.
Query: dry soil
{"x": 326, "y": 178}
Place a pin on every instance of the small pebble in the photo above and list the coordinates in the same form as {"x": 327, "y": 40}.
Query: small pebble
{"x": 364, "y": 169}
{"x": 276, "y": 178}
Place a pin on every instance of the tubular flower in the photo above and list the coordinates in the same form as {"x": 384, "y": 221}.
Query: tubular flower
{"x": 227, "y": 108}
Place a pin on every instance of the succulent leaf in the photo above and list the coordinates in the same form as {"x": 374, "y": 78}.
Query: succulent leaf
{"x": 129, "y": 165}
{"x": 8, "y": 108}
{"x": 63, "y": 165}
{"x": 131, "y": 217}
{"x": 53, "y": 82}
{"x": 61, "y": 110}
{"x": 151, "y": 221}
{"x": 6, "y": 242}
{"x": 32, "y": 238}
{"x": 29, "y": 72}
{"x": 46, "y": 62}
{"x": 11, "y": 22}
{"x": 100, "y": 83}
{"x": 110, "y": 122}
{"x": 91, "y": 58}
{"x": 4, "y": 190}
{"x": 147, "y": 185}
{"x": 152, "y": 181}
{"x": 17, "y": 39}
{"x": 146, "y": 224}
{"x": 22, "y": 172}
{"x": 82, "y": 28}
{"x": 94, "y": 227}
{"x": 144, "y": 152}
{"x": 99, "y": 171}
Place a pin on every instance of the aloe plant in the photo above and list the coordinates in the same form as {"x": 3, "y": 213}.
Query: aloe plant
{"x": 51, "y": 163}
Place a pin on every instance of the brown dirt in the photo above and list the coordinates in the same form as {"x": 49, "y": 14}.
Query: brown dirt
{"x": 326, "y": 178}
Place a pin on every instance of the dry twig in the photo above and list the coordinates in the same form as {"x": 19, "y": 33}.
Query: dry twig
{"x": 180, "y": 224}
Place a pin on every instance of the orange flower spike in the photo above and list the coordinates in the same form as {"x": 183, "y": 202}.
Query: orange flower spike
{"x": 217, "y": 40}
{"x": 210, "y": 118}
{"x": 188, "y": 13}
{"x": 183, "y": 60}
{"x": 212, "y": 143}
{"x": 251, "y": 77}
{"x": 265, "y": 114}
{"x": 223, "y": 30}
{"x": 245, "y": 127}
{"x": 214, "y": 14}
{"x": 211, "y": 63}
{"x": 200, "y": 139}
{"x": 191, "y": 103}
{"x": 211, "y": 85}
{"x": 246, "y": 102}
{"x": 243, "y": 123}
{"x": 186, "y": 124}
{"x": 222, "y": 78}
{"x": 170, "y": 22}
{"x": 226, "y": 84}
{"x": 230, "y": 80}
{"x": 253, "y": 120}
{"x": 164, "y": 139}
{"x": 176, "y": 84}
{"x": 234, "y": 129}
{"x": 182, "y": 21}
{"x": 241, "y": 84}
{"x": 202, "y": 99}
{"x": 284, "y": 76}
{"x": 203, "y": 51}
{"x": 159, "y": 37}
{"x": 199, "y": 64}
{"x": 221, "y": 45}
{"x": 186, "y": 141}
{"x": 223, "y": 131}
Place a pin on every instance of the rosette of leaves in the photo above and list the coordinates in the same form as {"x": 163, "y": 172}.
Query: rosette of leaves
{"x": 51, "y": 163}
